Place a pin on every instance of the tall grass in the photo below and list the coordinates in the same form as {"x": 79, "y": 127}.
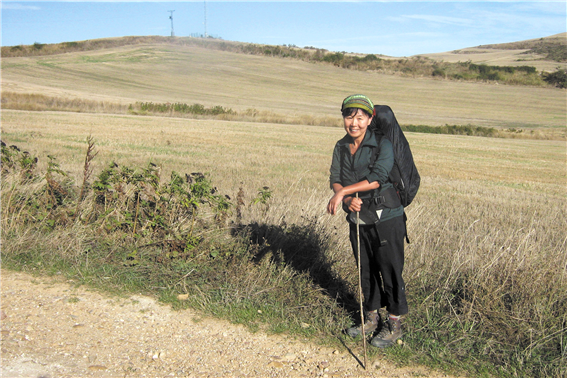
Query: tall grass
{"x": 41, "y": 102}
{"x": 496, "y": 274}
{"x": 486, "y": 269}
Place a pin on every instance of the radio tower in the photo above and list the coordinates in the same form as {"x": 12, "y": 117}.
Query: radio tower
{"x": 171, "y": 18}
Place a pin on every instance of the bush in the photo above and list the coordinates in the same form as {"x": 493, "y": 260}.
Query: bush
{"x": 179, "y": 108}
{"x": 134, "y": 202}
{"x": 557, "y": 78}
{"x": 438, "y": 72}
{"x": 334, "y": 58}
{"x": 453, "y": 130}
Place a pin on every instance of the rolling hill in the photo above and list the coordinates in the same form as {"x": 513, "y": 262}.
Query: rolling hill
{"x": 157, "y": 69}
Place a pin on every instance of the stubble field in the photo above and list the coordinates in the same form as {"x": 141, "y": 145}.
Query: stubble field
{"x": 487, "y": 229}
{"x": 290, "y": 88}
{"x": 486, "y": 269}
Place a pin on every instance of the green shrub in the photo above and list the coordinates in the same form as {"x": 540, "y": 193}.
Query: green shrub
{"x": 179, "y": 108}
{"x": 335, "y": 58}
{"x": 557, "y": 78}
{"x": 438, "y": 72}
{"x": 452, "y": 130}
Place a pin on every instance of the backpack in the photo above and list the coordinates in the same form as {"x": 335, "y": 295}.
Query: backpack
{"x": 404, "y": 175}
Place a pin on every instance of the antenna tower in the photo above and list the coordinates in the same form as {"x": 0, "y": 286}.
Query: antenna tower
{"x": 171, "y": 18}
{"x": 206, "y": 19}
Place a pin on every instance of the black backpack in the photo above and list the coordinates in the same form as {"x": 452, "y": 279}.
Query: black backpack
{"x": 404, "y": 175}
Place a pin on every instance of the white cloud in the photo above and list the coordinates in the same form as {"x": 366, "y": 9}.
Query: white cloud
{"x": 18, "y": 6}
{"x": 435, "y": 19}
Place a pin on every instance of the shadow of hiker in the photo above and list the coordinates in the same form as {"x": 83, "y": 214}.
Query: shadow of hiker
{"x": 302, "y": 248}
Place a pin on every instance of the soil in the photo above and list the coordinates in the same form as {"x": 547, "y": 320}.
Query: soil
{"x": 51, "y": 328}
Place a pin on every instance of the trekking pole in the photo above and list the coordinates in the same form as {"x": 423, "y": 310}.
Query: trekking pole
{"x": 360, "y": 284}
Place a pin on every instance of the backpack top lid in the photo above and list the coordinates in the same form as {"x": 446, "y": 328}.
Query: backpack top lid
{"x": 405, "y": 176}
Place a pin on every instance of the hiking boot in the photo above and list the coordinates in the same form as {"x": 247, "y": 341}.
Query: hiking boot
{"x": 370, "y": 324}
{"x": 391, "y": 331}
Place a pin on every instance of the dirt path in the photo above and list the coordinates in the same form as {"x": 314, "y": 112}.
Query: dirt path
{"x": 51, "y": 329}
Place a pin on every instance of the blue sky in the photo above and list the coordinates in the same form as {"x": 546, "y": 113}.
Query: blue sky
{"x": 397, "y": 28}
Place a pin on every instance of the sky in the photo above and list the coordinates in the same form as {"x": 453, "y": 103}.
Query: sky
{"x": 395, "y": 28}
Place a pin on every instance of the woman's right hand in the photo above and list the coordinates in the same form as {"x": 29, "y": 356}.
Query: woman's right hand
{"x": 334, "y": 203}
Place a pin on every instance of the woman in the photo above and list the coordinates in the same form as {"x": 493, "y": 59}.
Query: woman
{"x": 356, "y": 169}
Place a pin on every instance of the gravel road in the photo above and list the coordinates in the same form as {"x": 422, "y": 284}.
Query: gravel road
{"x": 52, "y": 329}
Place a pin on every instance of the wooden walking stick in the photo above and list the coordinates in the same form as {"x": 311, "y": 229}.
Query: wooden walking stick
{"x": 360, "y": 284}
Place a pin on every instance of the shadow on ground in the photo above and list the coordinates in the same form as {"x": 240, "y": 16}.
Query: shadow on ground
{"x": 304, "y": 249}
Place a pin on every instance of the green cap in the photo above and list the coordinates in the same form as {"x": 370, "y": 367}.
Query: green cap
{"x": 358, "y": 101}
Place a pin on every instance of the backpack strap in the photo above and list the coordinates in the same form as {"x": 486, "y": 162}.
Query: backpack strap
{"x": 406, "y": 228}
{"x": 376, "y": 152}
{"x": 374, "y": 158}
{"x": 393, "y": 177}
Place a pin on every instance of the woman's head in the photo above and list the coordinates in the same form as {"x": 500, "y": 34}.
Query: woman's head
{"x": 353, "y": 103}
{"x": 357, "y": 111}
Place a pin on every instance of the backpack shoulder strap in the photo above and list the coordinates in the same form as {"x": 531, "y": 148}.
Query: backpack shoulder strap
{"x": 394, "y": 175}
{"x": 376, "y": 152}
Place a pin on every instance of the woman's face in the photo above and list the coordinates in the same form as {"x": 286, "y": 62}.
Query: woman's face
{"x": 357, "y": 123}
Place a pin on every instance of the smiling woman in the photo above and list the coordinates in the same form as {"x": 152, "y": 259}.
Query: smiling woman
{"x": 378, "y": 244}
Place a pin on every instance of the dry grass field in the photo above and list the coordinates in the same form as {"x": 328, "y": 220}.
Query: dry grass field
{"x": 262, "y": 153}
{"x": 486, "y": 269}
{"x": 166, "y": 73}
{"x": 489, "y": 218}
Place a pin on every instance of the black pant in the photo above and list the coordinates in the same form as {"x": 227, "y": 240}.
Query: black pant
{"x": 382, "y": 263}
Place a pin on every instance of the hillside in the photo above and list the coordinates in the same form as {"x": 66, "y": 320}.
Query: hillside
{"x": 218, "y": 73}
{"x": 545, "y": 54}
{"x": 163, "y": 72}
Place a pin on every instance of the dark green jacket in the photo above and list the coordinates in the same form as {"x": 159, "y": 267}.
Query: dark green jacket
{"x": 347, "y": 169}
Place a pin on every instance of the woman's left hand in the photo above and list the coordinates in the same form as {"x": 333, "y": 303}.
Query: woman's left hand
{"x": 355, "y": 205}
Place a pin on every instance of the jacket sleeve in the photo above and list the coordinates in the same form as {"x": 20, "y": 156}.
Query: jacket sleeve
{"x": 383, "y": 164}
{"x": 335, "y": 176}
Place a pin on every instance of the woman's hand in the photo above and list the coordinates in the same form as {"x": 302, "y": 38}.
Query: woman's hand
{"x": 334, "y": 203}
{"x": 344, "y": 194}
{"x": 355, "y": 204}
